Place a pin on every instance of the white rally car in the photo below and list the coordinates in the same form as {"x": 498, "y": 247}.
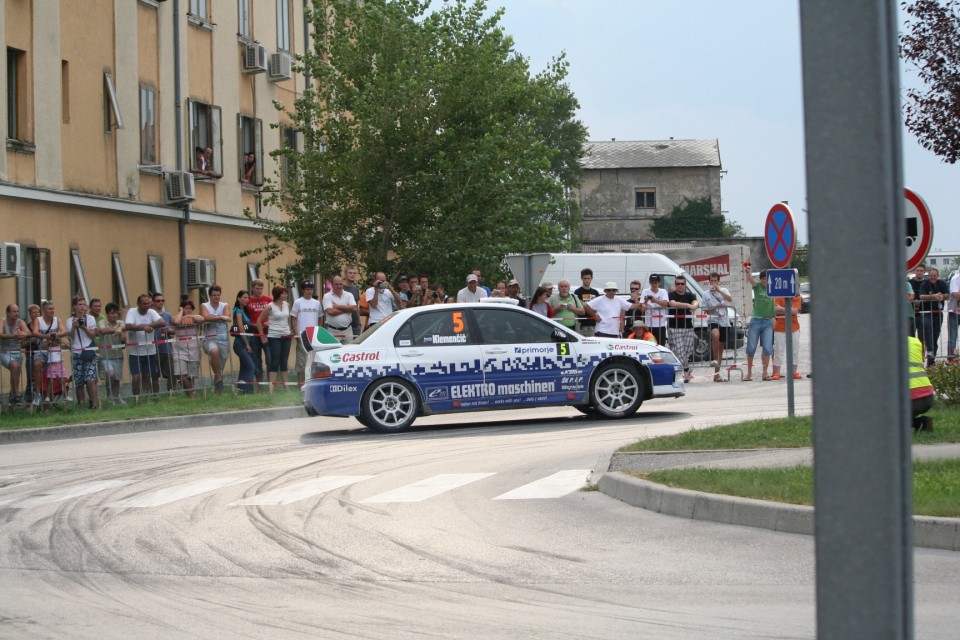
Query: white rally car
{"x": 479, "y": 356}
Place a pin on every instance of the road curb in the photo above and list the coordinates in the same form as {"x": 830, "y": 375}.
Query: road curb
{"x": 928, "y": 532}
{"x": 150, "y": 424}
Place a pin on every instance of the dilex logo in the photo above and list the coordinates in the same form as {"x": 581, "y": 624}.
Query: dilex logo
{"x": 349, "y": 356}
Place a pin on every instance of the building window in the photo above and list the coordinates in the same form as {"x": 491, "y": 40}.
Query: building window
{"x": 199, "y": 10}
{"x": 250, "y": 138}
{"x": 283, "y": 25}
{"x": 78, "y": 280}
{"x": 205, "y": 139}
{"x": 16, "y": 94}
{"x": 253, "y": 273}
{"x": 290, "y": 139}
{"x": 154, "y": 274}
{"x": 111, "y": 111}
{"x": 148, "y": 124}
{"x": 645, "y": 199}
{"x": 119, "y": 283}
{"x": 243, "y": 18}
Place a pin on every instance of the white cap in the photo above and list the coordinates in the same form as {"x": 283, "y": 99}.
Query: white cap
{"x": 471, "y": 278}
{"x": 611, "y": 285}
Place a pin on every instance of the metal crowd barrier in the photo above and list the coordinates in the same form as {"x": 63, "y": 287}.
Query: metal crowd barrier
{"x": 933, "y": 328}
{"x": 189, "y": 363}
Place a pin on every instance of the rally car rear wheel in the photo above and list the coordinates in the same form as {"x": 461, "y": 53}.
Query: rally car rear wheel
{"x": 388, "y": 405}
{"x": 616, "y": 391}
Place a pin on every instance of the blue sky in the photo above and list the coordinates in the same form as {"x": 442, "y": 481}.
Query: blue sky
{"x": 651, "y": 70}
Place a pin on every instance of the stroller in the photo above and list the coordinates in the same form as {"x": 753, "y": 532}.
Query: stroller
{"x": 55, "y": 384}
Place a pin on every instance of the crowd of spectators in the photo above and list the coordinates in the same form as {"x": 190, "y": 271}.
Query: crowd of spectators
{"x": 155, "y": 343}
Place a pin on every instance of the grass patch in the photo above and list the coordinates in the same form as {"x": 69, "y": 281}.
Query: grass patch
{"x": 753, "y": 434}
{"x": 936, "y": 484}
{"x": 782, "y": 433}
{"x": 158, "y": 407}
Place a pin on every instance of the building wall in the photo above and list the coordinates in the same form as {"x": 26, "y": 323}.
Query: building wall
{"x": 607, "y": 199}
{"x": 70, "y": 184}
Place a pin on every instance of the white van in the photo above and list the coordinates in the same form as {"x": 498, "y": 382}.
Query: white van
{"x": 531, "y": 269}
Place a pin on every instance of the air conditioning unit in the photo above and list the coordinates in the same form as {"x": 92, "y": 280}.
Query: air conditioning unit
{"x": 9, "y": 259}
{"x": 199, "y": 273}
{"x": 281, "y": 66}
{"x": 180, "y": 187}
{"x": 255, "y": 60}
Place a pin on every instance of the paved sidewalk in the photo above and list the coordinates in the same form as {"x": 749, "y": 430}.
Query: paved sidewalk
{"x": 937, "y": 533}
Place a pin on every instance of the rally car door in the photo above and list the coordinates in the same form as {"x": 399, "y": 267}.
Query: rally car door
{"x": 438, "y": 351}
{"x": 524, "y": 362}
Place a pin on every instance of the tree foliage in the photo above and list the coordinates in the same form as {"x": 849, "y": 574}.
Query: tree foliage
{"x": 931, "y": 43}
{"x": 428, "y": 144}
{"x": 692, "y": 219}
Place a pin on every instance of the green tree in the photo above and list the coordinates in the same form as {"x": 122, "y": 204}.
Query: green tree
{"x": 428, "y": 144}
{"x": 931, "y": 44}
{"x": 732, "y": 229}
{"x": 692, "y": 219}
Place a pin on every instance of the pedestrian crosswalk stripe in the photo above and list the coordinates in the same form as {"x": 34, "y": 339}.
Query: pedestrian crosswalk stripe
{"x": 179, "y": 492}
{"x": 65, "y": 493}
{"x": 293, "y": 493}
{"x": 428, "y": 488}
{"x": 555, "y": 486}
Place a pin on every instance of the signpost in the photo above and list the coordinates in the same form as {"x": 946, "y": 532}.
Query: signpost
{"x": 779, "y": 235}
{"x": 780, "y": 239}
{"x": 919, "y": 229}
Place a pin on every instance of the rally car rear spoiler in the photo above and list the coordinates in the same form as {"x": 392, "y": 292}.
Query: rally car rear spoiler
{"x": 318, "y": 339}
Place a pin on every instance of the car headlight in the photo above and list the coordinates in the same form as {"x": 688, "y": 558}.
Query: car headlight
{"x": 663, "y": 357}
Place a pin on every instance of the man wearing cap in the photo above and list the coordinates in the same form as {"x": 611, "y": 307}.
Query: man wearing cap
{"x": 304, "y": 313}
{"x": 472, "y": 292}
{"x": 480, "y": 284}
{"x": 640, "y": 332}
{"x": 611, "y": 310}
{"x": 403, "y": 288}
{"x": 513, "y": 291}
{"x": 655, "y": 301}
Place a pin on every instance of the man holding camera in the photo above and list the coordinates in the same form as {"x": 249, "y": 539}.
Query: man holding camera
{"x": 381, "y": 298}
{"x": 655, "y": 301}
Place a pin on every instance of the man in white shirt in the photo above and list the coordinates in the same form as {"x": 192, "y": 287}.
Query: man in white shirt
{"x": 141, "y": 321}
{"x": 611, "y": 310}
{"x": 339, "y": 306}
{"x": 381, "y": 298}
{"x": 656, "y": 301}
{"x": 472, "y": 292}
{"x": 304, "y": 313}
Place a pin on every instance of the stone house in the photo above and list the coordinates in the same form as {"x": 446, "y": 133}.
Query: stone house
{"x": 627, "y": 185}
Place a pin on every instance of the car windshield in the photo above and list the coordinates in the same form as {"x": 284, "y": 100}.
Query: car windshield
{"x": 804, "y": 287}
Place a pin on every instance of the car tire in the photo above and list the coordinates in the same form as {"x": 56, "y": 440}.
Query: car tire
{"x": 388, "y": 405}
{"x": 616, "y": 391}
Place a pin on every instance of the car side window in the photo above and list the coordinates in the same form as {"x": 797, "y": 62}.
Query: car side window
{"x": 502, "y": 326}
{"x": 435, "y": 329}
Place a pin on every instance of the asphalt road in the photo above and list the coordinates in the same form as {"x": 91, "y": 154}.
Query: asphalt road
{"x": 468, "y": 526}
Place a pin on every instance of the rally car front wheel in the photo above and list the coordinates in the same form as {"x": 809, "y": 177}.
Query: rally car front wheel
{"x": 616, "y": 391}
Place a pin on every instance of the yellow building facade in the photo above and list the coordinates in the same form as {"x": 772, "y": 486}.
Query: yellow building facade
{"x": 137, "y": 132}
